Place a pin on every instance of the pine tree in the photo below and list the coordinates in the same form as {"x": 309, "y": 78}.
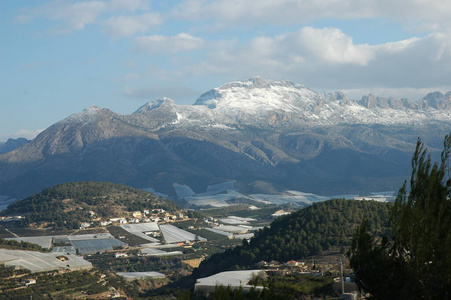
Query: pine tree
{"x": 416, "y": 262}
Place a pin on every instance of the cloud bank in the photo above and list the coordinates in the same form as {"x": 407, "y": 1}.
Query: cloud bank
{"x": 229, "y": 39}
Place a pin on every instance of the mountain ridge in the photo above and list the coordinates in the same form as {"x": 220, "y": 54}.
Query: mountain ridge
{"x": 12, "y": 144}
{"x": 276, "y": 132}
{"x": 268, "y": 103}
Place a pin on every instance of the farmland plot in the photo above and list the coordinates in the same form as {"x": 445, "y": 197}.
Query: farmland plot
{"x": 172, "y": 234}
{"x": 282, "y": 199}
{"x": 43, "y": 241}
{"x": 232, "y": 220}
{"x": 139, "y": 229}
{"x": 96, "y": 245}
{"x": 140, "y": 275}
{"x": 244, "y": 236}
{"x": 157, "y": 252}
{"x": 233, "y": 229}
{"x": 212, "y": 200}
{"x": 183, "y": 191}
{"x": 215, "y": 230}
{"x": 91, "y": 236}
{"x": 35, "y": 261}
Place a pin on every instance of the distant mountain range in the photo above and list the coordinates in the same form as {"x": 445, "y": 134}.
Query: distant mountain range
{"x": 12, "y": 144}
{"x": 269, "y": 136}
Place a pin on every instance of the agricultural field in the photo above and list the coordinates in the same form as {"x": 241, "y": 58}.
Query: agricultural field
{"x": 72, "y": 285}
{"x": 172, "y": 234}
{"x": 35, "y": 261}
{"x": 140, "y": 230}
{"x": 94, "y": 246}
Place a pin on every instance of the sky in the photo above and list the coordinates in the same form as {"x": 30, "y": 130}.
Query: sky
{"x": 59, "y": 57}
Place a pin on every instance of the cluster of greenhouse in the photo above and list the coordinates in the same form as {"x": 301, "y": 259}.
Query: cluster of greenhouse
{"x": 140, "y": 230}
{"x": 172, "y": 234}
{"x": 35, "y": 261}
{"x": 235, "y": 227}
{"x": 140, "y": 275}
{"x": 81, "y": 244}
{"x": 158, "y": 252}
{"x": 232, "y": 279}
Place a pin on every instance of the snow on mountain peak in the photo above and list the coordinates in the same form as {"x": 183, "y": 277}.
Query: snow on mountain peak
{"x": 162, "y": 102}
{"x": 256, "y": 94}
{"x": 269, "y": 103}
{"x": 262, "y": 101}
{"x": 89, "y": 115}
{"x": 93, "y": 109}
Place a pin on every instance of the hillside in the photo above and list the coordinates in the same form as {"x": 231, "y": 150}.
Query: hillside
{"x": 306, "y": 232}
{"x": 67, "y": 205}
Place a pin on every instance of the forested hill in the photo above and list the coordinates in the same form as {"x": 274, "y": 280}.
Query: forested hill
{"x": 68, "y": 204}
{"x": 306, "y": 232}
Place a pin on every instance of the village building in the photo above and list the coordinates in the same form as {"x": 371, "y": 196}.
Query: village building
{"x": 29, "y": 281}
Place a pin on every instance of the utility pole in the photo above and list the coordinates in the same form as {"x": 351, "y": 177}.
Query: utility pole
{"x": 341, "y": 277}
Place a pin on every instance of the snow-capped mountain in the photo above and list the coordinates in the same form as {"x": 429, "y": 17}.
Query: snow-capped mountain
{"x": 260, "y": 102}
{"x": 267, "y": 135}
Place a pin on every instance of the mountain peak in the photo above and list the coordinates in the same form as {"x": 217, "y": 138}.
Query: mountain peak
{"x": 255, "y": 94}
{"x": 162, "y": 102}
{"x": 437, "y": 100}
{"x": 259, "y": 81}
{"x": 88, "y": 115}
{"x": 91, "y": 110}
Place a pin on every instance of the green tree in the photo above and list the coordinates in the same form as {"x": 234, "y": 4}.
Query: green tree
{"x": 416, "y": 262}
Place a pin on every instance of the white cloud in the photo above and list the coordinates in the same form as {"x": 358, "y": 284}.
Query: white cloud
{"x": 325, "y": 58}
{"x": 168, "y": 44}
{"x": 432, "y": 16}
{"x": 328, "y": 59}
{"x": 75, "y": 16}
{"x": 274, "y": 11}
{"x": 308, "y": 46}
{"x": 24, "y": 133}
{"x": 80, "y": 14}
{"x": 128, "y": 5}
{"x": 129, "y": 25}
{"x": 331, "y": 45}
{"x": 416, "y": 14}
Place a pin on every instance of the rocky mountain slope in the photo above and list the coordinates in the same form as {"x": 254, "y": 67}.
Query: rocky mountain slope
{"x": 267, "y": 135}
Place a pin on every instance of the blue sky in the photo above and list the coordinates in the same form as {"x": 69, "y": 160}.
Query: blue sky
{"x": 58, "y": 57}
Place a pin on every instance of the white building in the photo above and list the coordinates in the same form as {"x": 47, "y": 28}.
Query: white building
{"x": 234, "y": 279}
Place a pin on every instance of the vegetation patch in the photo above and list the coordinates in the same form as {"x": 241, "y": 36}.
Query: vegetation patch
{"x": 306, "y": 232}
{"x": 68, "y": 205}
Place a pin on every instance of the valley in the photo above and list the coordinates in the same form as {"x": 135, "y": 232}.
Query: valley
{"x": 164, "y": 248}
